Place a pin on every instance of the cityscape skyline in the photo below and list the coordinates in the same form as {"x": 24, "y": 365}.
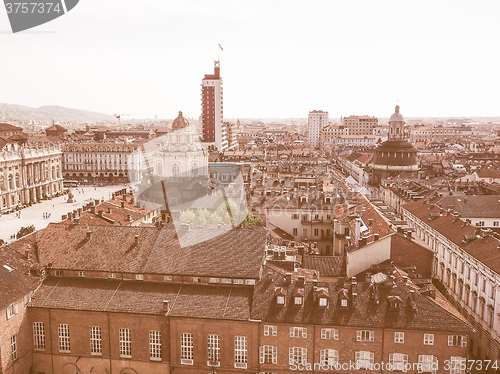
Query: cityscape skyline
{"x": 371, "y": 57}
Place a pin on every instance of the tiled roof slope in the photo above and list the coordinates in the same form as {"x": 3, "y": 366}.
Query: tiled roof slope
{"x": 237, "y": 253}
{"x": 196, "y": 301}
{"x": 484, "y": 249}
{"x": 365, "y": 312}
{"x": 19, "y": 281}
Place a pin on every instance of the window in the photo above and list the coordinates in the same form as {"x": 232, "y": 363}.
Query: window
{"x": 457, "y": 365}
{"x": 11, "y": 310}
{"x": 298, "y": 300}
{"x": 297, "y": 356}
{"x": 365, "y": 336}
{"x": 238, "y": 281}
{"x": 399, "y": 337}
{"x": 270, "y": 330}
{"x": 187, "y": 349}
{"x": 330, "y": 334}
{"x": 13, "y": 344}
{"x": 58, "y": 273}
{"x": 154, "y": 345}
{"x": 111, "y": 275}
{"x": 196, "y": 280}
{"x": 63, "y": 331}
{"x": 139, "y": 277}
{"x": 268, "y": 354}
{"x": 280, "y": 300}
{"x": 328, "y": 357}
{"x": 38, "y": 336}
{"x": 364, "y": 359}
{"x": 240, "y": 352}
{"x": 95, "y": 341}
{"x": 428, "y": 339}
{"x": 213, "y": 347}
{"x": 457, "y": 341}
{"x": 227, "y": 280}
{"x": 298, "y": 332}
{"x": 343, "y": 303}
{"x": 398, "y": 361}
{"x": 125, "y": 343}
{"x": 81, "y": 274}
{"x": 214, "y": 280}
{"x": 427, "y": 364}
{"x": 294, "y": 231}
{"x": 167, "y": 278}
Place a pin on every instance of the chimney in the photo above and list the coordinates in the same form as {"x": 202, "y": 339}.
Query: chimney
{"x": 100, "y": 212}
{"x": 109, "y": 209}
{"x": 288, "y": 278}
{"x": 166, "y": 306}
{"x": 132, "y": 200}
{"x": 70, "y": 215}
{"x": 301, "y": 281}
{"x": 136, "y": 239}
{"x": 358, "y": 231}
{"x": 92, "y": 209}
{"x": 27, "y": 253}
{"x": 88, "y": 235}
{"x": 122, "y": 203}
{"x": 376, "y": 237}
{"x": 76, "y": 221}
{"x": 129, "y": 217}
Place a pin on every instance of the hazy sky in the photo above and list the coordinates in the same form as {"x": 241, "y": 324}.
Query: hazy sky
{"x": 280, "y": 58}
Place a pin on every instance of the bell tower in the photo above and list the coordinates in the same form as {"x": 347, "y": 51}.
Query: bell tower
{"x": 396, "y": 126}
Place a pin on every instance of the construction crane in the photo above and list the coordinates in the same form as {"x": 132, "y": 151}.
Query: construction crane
{"x": 119, "y": 117}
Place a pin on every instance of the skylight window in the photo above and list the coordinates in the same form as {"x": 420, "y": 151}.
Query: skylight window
{"x": 8, "y": 268}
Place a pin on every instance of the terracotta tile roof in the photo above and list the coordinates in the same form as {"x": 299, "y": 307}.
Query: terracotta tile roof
{"x": 15, "y": 277}
{"x": 185, "y": 300}
{"x": 484, "y": 249}
{"x": 429, "y": 315}
{"x": 238, "y": 253}
{"x": 326, "y": 266}
{"x": 474, "y": 206}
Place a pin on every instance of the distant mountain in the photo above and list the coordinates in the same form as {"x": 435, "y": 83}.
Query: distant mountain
{"x": 11, "y": 112}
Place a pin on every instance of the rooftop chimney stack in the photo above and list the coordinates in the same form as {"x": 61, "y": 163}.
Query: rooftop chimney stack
{"x": 136, "y": 239}
{"x": 122, "y": 204}
{"x": 358, "y": 231}
{"x": 88, "y": 235}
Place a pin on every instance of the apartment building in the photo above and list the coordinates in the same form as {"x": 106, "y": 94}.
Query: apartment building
{"x": 360, "y": 125}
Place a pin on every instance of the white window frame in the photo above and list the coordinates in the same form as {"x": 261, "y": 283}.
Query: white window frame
{"x": 364, "y": 359}
{"x": 125, "y": 343}
{"x": 457, "y": 340}
{"x": 270, "y": 330}
{"x": 427, "y": 364}
{"x": 458, "y": 365}
{"x": 297, "y": 356}
{"x": 398, "y": 361}
{"x": 298, "y": 332}
{"x": 330, "y": 333}
{"x": 213, "y": 350}
{"x": 187, "y": 348}
{"x": 154, "y": 345}
{"x": 64, "y": 338}
{"x": 428, "y": 339}
{"x": 399, "y": 337}
{"x": 95, "y": 341}
{"x": 268, "y": 354}
{"x": 12, "y": 310}
{"x": 139, "y": 277}
{"x": 38, "y": 336}
{"x": 13, "y": 346}
{"x": 328, "y": 357}
{"x": 365, "y": 336}
{"x": 240, "y": 352}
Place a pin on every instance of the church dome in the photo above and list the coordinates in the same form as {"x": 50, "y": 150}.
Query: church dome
{"x": 180, "y": 122}
{"x": 396, "y": 117}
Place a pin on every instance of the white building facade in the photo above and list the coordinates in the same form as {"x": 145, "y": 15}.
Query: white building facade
{"x": 316, "y": 121}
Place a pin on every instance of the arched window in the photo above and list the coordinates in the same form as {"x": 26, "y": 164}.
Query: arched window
{"x": 159, "y": 168}
{"x": 194, "y": 168}
{"x": 11, "y": 182}
{"x": 2, "y": 183}
{"x": 175, "y": 169}
{"x": 18, "y": 182}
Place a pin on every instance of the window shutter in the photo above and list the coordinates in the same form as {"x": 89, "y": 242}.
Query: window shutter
{"x": 336, "y": 334}
{"x": 304, "y": 332}
{"x": 275, "y": 330}
{"x": 15, "y": 308}
{"x": 391, "y": 358}
{"x": 290, "y": 356}
{"x": 291, "y": 332}
{"x": 450, "y": 340}
{"x": 275, "y": 355}
{"x": 261, "y": 354}
{"x": 464, "y": 340}
{"x": 304, "y": 355}
{"x": 372, "y": 336}
{"x": 358, "y": 335}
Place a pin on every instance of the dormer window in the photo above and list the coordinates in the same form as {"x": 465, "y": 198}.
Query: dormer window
{"x": 280, "y": 300}
{"x": 395, "y": 302}
{"x": 280, "y": 294}
{"x": 323, "y": 302}
{"x": 343, "y": 303}
{"x": 298, "y": 300}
